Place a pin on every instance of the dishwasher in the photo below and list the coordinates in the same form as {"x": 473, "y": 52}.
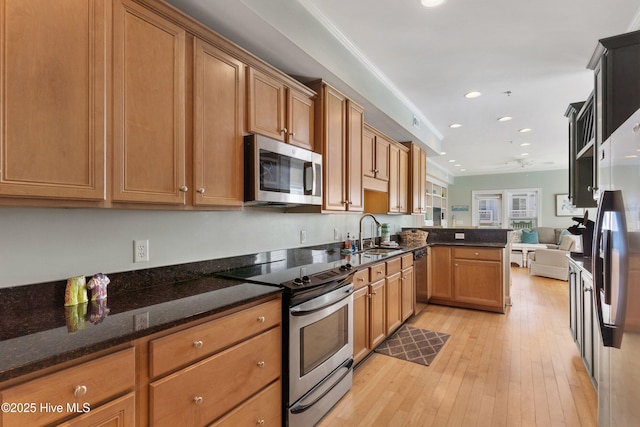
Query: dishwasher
{"x": 420, "y": 271}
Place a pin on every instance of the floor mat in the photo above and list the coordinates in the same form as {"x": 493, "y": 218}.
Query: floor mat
{"x": 413, "y": 344}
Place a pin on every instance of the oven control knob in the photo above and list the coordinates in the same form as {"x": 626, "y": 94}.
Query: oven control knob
{"x": 297, "y": 281}
{"x": 345, "y": 267}
{"x": 306, "y": 279}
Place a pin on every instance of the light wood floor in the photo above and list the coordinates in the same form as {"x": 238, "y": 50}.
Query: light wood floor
{"x": 521, "y": 368}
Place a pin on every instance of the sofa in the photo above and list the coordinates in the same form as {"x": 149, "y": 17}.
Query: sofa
{"x": 553, "y": 263}
{"x": 548, "y": 236}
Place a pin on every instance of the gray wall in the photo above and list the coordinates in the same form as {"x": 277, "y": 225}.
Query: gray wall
{"x": 41, "y": 245}
{"x": 550, "y": 183}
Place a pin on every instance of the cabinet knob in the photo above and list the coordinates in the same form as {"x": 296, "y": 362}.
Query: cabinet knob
{"x": 284, "y": 130}
{"x": 261, "y": 319}
{"x": 79, "y": 391}
{"x": 376, "y": 170}
{"x": 476, "y": 253}
{"x": 374, "y": 293}
{"x": 292, "y": 134}
{"x": 260, "y": 422}
{"x": 184, "y": 188}
{"x": 197, "y": 400}
{"x": 201, "y": 190}
{"x": 198, "y": 344}
{"x": 260, "y": 364}
{"x": 360, "y": 279}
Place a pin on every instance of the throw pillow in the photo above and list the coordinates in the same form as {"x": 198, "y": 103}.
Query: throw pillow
{"x": 517, "y": 236}
{"x": 529, "y": 236}
{"x": 567, "y": 243}
{"x": 564, "y": 233}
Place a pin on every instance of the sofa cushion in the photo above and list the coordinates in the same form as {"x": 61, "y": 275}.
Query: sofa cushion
{"x": 567, "y": 243}
{"x": 547, "y": 235}
{"x": 517, "y": 236}
{"x": 529, "y": 236}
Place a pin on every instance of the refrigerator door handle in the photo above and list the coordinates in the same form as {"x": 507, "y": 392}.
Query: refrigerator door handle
{"x": 602, "y": 251}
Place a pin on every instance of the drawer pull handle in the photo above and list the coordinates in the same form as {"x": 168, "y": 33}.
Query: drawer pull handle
{"x": 260, "y": 364}
{"x": 261, "y": 319}
{"x": 260, "y": 422}
{"x": 79, "y": 391}
{"x": 197, "y": 400}
{"x": 360, "y": 279}
{"x": 198, "y": 344}
{"x": 476, "y": 253}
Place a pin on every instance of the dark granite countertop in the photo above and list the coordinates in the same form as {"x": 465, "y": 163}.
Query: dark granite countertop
{"x": 581, "y": 261}
{"x": 37, "y": 331}
{"x": 487, "y": 237}
{"x": 474, "y": 244}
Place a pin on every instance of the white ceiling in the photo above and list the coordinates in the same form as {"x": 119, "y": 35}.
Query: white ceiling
{"x": 400, "y": 60}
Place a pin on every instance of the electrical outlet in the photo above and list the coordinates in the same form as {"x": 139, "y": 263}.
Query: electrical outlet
{"x": 140, "y": 250}
{"x": 303, "y": 236}
{"x": 141, "y": 321}
{"x": 336, "y": 234}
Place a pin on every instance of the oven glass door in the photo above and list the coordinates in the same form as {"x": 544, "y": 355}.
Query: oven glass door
{"x": 320, "y": 340}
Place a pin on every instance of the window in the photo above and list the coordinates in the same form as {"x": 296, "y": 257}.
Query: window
{"x": 520, "y": 209}
{"x": 523, "y": 209}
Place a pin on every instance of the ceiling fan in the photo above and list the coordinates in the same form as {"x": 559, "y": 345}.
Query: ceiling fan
{"x": 519, "y": 163}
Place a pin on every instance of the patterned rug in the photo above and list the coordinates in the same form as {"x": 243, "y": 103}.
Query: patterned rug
{"x": 413, "y": 344}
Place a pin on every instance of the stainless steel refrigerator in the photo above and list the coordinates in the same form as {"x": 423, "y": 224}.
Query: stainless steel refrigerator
{"x": 616, "y": 274}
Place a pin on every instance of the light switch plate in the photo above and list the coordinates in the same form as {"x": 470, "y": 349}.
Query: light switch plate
{"x": 459, "y": 236}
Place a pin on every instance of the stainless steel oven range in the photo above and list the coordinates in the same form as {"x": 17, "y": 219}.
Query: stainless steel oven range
{"x": 317, "y": 334}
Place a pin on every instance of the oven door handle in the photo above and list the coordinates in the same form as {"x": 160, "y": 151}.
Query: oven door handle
{"x": 321, "y": 390}
{"x": 324, "y": 301}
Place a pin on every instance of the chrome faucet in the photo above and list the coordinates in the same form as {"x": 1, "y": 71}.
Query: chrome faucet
{"x": 377, "y": 226}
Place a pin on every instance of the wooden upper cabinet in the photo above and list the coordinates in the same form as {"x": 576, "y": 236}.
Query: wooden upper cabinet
{"x": 149, "y": 107}
{"x": 266, "y": 97}
{"x": 300, "y": 119}
{"x": 398, "y": 178}
{"x": 218, "y": 127}
{"x": 334, "y": 149}
{"x": 278, "y": 111}
{"x": 53, "y": 98}
{"x": 355, "y": 127}
{"x": 375, "y": 157}
{"x": 417, "y": 178}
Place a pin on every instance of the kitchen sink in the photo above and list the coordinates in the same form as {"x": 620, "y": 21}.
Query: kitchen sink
{"x": 378, "y": 251}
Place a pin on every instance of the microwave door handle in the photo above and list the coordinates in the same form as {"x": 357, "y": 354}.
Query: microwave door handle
{"x": 309, "y": 189}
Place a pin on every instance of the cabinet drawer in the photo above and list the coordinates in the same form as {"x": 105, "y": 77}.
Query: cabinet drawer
{"x": 118, "y": 412}
{"x": 361, "y": 278}
{"x": 377, "y": 272}
{"x": 478, "y": 253}
{"x": 394, "y": 265}
{"x": 206, "y": 390}
{"x": 184, "y": 347}
{"x": 407, "y": 260}
{"x": 90, "y": 382}
{"x": 265, "y": 408}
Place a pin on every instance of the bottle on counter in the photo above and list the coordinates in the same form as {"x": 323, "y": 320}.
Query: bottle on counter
{"x": 347, "y": 243}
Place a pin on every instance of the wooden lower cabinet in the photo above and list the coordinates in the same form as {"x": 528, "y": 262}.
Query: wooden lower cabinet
{"x": 117, "y": 413}
{"x": 468, "y": 276}
{"x": 83, "y": 388}
{"x": 383, "y": 300}
{"x": 225, "y": 369}
{"x": 206, "y": 390}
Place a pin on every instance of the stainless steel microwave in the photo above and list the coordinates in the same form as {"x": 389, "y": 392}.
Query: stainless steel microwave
{"x": 279, "y": 174}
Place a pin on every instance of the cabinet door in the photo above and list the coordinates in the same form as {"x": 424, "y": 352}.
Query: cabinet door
{"x": 116, "y": 413}
{"x": 54, "y": 98}
{"x": 149, "y": 107}
{"x": 368, "y": 153}
{"x": 408, "y": 296}
{"x": 300, "y": 113}
{"x": 394, "y": 302}
{"x": 394, "y": 179}
{"x": 440, "y": 281}
{"x": 361, "y": 346}
{"x": 334, "y": 149}
{"x": 587, "y": 324}
{"x": 218, "y": 127}
{"x": 266, "y": 99}
{"x": 377, "y": 305}
{"x": 418, "y": 179}
{"x": 478, "y": 282}
{"x": 403, "y": 181}
{"x": 382, "y": 158}
{"x": 355, "y": 126}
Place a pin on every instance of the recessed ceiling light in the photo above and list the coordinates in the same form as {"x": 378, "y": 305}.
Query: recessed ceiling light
{"x": 462, "y": 170}
{"x": 458, "y": 164}
{"x": 431, "y": 3}
{"x": 505, "y": 118}
{"x": 524, "y": 154}
{"x": 455, "y": 125}
{"x": 451, "y": 161}
{"x": 523, "y": 130}
{"x": 524, "y": 144}
{"x": 472, "y": 94}
{"x": 442, "y": 153}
